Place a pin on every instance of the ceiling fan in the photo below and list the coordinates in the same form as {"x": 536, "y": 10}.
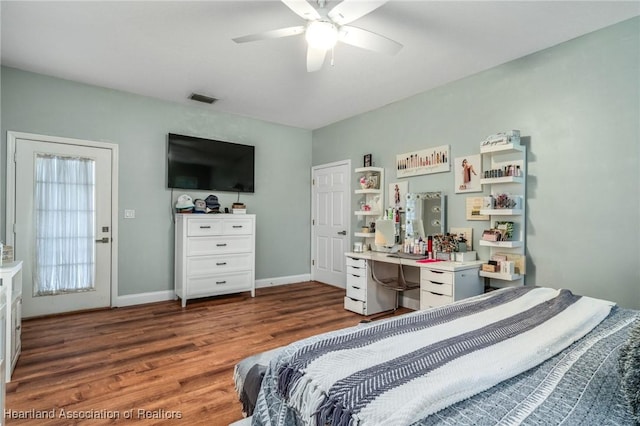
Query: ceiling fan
{"x": 325, "y": 28}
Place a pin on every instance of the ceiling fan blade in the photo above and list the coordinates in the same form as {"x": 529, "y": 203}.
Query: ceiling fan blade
{"x": 350, "y": 10}
{"x": 282, "y": 32}
{"x": 368, "y": 40}
{"x": 315, "y": 58}
{"x": 303, "y": 9}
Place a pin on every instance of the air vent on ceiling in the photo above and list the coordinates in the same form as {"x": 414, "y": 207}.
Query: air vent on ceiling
{"x": 202, "y": 98}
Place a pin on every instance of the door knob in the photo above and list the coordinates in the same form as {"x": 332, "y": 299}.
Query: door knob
{"x": 342, "y": 233}
{"x": 103, "y": 240}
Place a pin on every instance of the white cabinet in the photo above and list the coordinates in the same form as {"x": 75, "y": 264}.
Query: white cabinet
{"x": 448, "y": 282}
{"x": 11, "y": 277}
{"x": 215, "y": 254}
{"x": 364, "y": 296}
{"x": 3, "y": 344}
{"x": 371, "y": 203}
{"x": 510, "y": 161}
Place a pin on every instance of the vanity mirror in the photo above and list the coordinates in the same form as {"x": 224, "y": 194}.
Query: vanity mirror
{"x": 426, "y": 214}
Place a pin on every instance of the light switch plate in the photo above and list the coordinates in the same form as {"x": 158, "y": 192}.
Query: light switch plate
{"x": 129, "y": 214}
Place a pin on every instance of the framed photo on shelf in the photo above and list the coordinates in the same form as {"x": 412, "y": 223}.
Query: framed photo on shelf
{"x": 398, "y": 195}
{"x": 474, "y": 204}
{"x": 367, "y": 160}
{"x": 424, "y": 162}
{"x": 467, "y": 173}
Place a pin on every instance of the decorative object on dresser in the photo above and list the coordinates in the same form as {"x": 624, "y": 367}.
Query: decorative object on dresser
{"x": 215, "y": 254}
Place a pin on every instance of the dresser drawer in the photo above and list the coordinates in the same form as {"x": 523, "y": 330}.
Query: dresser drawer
{"x": 207, "y": 265}
{"x": 239, "y": 226}
{"x": 439, "y": 288}
{"x": 434, "y": 275}
{"x": 220, "y": 283}
{"x": 357, "y": 306}
{"x": 358, "y": 263}
{"x": 203, "y": 227}
{"x": 199, "y": 246}
{"x": 431, "y": 300}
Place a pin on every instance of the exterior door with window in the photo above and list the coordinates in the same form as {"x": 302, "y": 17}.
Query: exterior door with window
{"x": 330, "y": 235}
{"x": 63, "y": 226}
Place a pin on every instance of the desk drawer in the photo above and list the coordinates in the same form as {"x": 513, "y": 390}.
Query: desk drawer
{"x": 356, "y": 306}
{"x": 434, "y": 275}
{"x": 439, "y": 288}
{"x": 358, "y": 263}
{"x": 356, "y": 291}
{"x": 357, "y": 280}
{"x": 358, "y": 272}
{"x": 432, "y": 300}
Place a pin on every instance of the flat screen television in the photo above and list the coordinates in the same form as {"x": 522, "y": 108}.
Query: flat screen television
{"x": 207, "y": 164}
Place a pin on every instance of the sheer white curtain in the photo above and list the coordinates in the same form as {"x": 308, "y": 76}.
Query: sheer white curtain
{"x": 65, "y": 225}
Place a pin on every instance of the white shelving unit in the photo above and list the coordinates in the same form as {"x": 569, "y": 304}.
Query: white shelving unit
{"x": 497, "y": 157}
{"x": 371, "y": 197}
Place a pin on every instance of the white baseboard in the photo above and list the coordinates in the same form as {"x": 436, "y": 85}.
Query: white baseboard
{"x": 142, "y": 298}
{"x": 162, "y": 296}
{"x": 291, "y": 279}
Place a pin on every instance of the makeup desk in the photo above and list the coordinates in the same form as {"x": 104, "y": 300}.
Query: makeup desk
{"x": 439, "y": 283}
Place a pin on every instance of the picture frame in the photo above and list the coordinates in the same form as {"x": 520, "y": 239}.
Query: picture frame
{"x": 398, "y": 195}
{"x": 426, "y": 161}
{"x": 474, "y": 204}
{"x": 367, "y": 160}
{"x": 467, "y": 172}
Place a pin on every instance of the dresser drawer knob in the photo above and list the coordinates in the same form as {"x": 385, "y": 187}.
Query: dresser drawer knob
{"x": 221, "y": 282}
{"x": 221, "y": 245}
{"x": 205, "y": 226}
{"x": 221, "y": 263}
{"x": 237, "y": 226}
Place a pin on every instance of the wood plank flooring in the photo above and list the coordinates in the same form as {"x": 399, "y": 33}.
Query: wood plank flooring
{"x": 174, "y": 364}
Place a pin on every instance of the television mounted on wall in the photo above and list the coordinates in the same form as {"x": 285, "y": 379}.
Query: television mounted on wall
{"x": 210, "y": 165}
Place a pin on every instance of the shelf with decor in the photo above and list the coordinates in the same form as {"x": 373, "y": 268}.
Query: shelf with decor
{"x": 370, "y": 183}
{"x": 505, "y": 173}
{"x": 501, "y": 212}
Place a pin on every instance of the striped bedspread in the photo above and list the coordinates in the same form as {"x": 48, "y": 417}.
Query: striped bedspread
{"x": 399, "y": 371}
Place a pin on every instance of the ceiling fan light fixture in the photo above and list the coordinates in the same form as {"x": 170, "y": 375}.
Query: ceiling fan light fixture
{"x": 321, "y": 35}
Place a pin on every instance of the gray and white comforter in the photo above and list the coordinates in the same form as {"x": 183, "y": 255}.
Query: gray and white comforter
{"x": 425, "y": 367}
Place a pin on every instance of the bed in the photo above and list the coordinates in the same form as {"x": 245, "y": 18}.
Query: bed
{"x": 513, "y": 356}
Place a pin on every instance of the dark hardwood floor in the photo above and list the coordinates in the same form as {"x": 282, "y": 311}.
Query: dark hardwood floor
{"x": 174, "y": 364}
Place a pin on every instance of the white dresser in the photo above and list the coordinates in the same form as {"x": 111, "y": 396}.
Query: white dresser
{"x": 364, "y": 296}
{"x": 442, "y": 283}
{"x": 215, "y": 254}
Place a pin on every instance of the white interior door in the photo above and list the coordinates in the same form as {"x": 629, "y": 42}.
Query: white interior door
{"x": 331, "y": 225}
{"x": 63, "y": 226}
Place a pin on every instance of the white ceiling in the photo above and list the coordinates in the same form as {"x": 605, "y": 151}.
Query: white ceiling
{"x": 169, "y": 49}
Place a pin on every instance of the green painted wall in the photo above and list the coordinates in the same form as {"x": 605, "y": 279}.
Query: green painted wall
{"x": 578, "y": 104}
{"x": 39, "y": 104}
